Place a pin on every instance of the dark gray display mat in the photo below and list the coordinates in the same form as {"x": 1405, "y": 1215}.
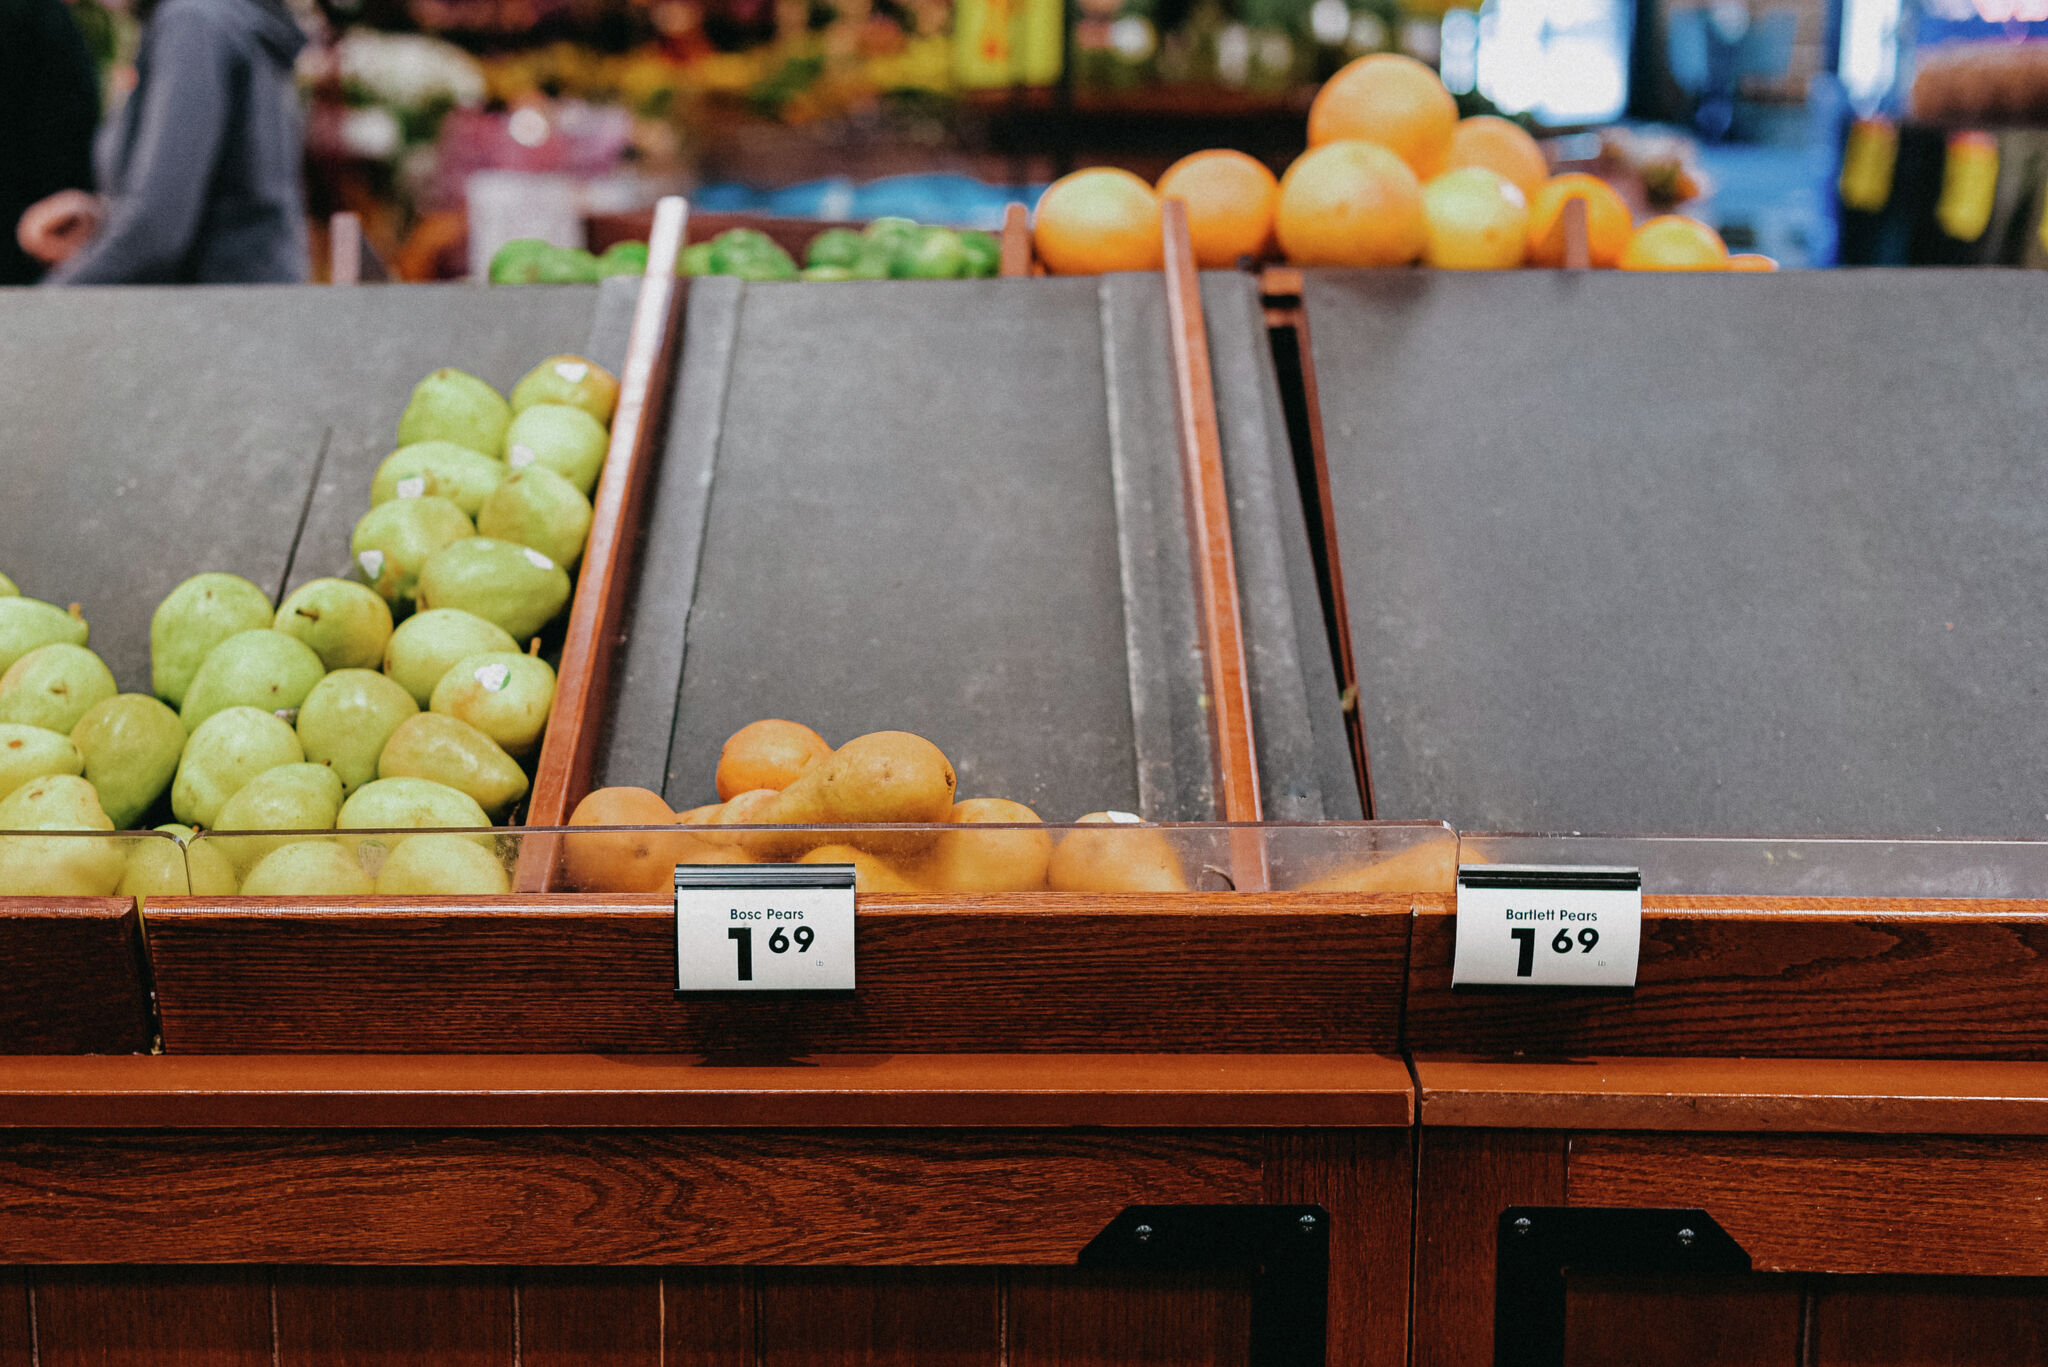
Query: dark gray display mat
{"x": 1305, "y": 771}
{"x": 152, "y": 434}
{"x": 949, "y": 508}
{"x": 1695, "y": 555}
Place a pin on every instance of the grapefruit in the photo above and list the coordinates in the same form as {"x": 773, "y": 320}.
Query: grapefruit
{"x": 1349, "y": 204}
{"x": 1609, "y": 225}
{"x": 1675, "y": 243}
{"x": 1391, "y": 100}
{"x": 1503, "y": 146}
{"x": 1230, "y": 199}
{"x": 1474, "y": 219}
{"x": 1097, "y": 220}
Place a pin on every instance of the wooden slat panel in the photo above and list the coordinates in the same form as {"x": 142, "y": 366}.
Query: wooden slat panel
{"x": 562, "y": 774}
{"x": 597, "y": 1197}
{"x": 1073, "y": 1318}
{"x": 1366, "y": 1180}
{"x": 152, "y": 1317}
{"x": 1464, "y": 1180}
{"x": 865, "y": 1317}
{"x": 1801, "y": 1096}
{"x": 429, "y": 1091}
{"x": 1046, "y": 972}
{"x": 1895, "y": 1322}
{"x": 1682, "y": 1322}
{"x": 590, "y": 1319}
{"x": 73, "y": 969}
{"x": 708, "y": 1318}
{"x": 1929, "y": 1205}
{"x": 343, "y": 1317}
{"x": 1841, "y": 977}
{"x": 17, "y": 1323}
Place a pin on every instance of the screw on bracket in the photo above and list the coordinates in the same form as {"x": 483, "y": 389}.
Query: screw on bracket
{"x": 1144, "y": 1233}
{"x": 1308, "y": 1224}
{"x": 1686, "y": 1236}
{"x": 1522, "y": 1225}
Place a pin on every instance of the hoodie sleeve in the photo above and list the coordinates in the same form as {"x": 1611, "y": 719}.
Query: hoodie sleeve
{"x": 155, "y": 211}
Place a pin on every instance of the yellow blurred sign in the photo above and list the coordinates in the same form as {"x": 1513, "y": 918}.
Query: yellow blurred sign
{"x": 1969, "y": 184}
{"x": 999, "y": 43}
{"x": 1867, "y": 164}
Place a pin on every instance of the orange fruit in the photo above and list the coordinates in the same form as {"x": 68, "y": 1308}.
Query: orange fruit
{"x": 1609, "y": 224}
{"x": 1097, "y": 220}
{"x": 1474, "y": 219}
{"x": 1503, "y": 146}
{"x": 624, "y": 861}
{"x": 1675, "y": 243}
{"x": 1392, "y": 100}
{"x": 1230, "y": 204}
{"x": 1751, "y": 261}
{"x": 1349, "y": 204}
{"x": 766, "y": 754}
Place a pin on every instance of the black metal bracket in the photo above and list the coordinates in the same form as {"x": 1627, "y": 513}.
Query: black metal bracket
{"x": 1539, "y": 1245}
{"x": 1286, "y": 1248}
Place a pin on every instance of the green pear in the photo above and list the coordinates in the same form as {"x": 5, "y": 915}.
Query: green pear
{"x": 29, "y": 624}
{"x": 345, "y": 720}
{"x": 265, "y": 668}
{"x": 195, "y": 617}
{"x": 131, "y": 744}
{"x": 346, "y": 624}
{"x": 437, "y": 469}
{"x": 230, "y": 748}
{"x": 7, "y": 589}
{"x": 413, "y": 804}
{"x": 537, "y": 507}
{"x": 57, "y": 865}
{"x": 53, "y": 686}
{"x": 451, "y": 405}
{"x": 437, "y": 747}
{"x": 176, "y": 868}
{"x": 308, "y": 868}
{"x": 502, "y": 693}
{"x": 393, "y": 540}
{"x": 428, "y": 644}
{"x": 517, "y": 587}
{"x": 291, "y": 797}
{"x": 571, "y": 380}
{"x": 442, "y": 866}
{"x": 28, "y": 752}
{"x": 564, "y": 438}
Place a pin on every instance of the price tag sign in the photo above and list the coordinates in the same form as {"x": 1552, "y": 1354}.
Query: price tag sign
{"x": 764, "y": 928}
{"x": 1539, "y": 926}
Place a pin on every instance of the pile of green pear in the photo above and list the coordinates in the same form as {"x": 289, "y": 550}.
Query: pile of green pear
{"x": 397, "y": 700}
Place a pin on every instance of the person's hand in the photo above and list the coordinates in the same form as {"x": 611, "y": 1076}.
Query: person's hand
{"x": 53, "y": 228}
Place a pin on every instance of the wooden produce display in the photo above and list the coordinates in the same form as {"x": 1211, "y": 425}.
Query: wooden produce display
{"x": 1688, "y": 558}
{"x": 161, "y": 433}
{"x": 1163, "y": 1123}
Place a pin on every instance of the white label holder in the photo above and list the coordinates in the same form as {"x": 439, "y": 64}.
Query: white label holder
{"x": 1536, "y": 925}
{"x": 764, "y": 928}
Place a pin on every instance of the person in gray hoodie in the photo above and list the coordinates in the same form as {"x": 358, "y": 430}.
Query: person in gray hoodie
{"x": 203, "y": 171}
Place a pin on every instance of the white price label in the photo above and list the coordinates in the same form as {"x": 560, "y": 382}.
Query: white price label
{"x": 764, "y": 928}
{"x": 1539, "y": 926}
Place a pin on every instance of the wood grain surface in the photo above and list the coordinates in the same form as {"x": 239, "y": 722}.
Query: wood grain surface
{"x": 880, "y": 1317}
{"x": 369, "y": 1317}
{"x": 442, "y": 1091}
{"x": 1464, "y": 1179}
{"x": 1073, "y": 1318}
{"x": 17, "y": 1321}
{"x": 1044, "y": 972}
{"x": 709, "y": 1317}
{"x": 562, "y": 774}
{"x": 1798, "y": 977}
{"x": 73, "y": 969}
{"x": 1016, "y": 239}
{"x": 1864, "y": 1096}
{"x": 1752, "y": 1321}
{"x": 128, "y": 1317}
{"x": 589, "y": 1318}
{"x": 639, "y": 1198}
{"x": 1902, "y": 1322}
{"x": 1928, "y": 1205}
{"x": 1207, "y": 499}
{"x": 1367, "y": 1183}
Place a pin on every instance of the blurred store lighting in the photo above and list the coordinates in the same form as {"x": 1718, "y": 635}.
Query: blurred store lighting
{"x": 1870, "y": 51}
{"x": 1561, "y": 61}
